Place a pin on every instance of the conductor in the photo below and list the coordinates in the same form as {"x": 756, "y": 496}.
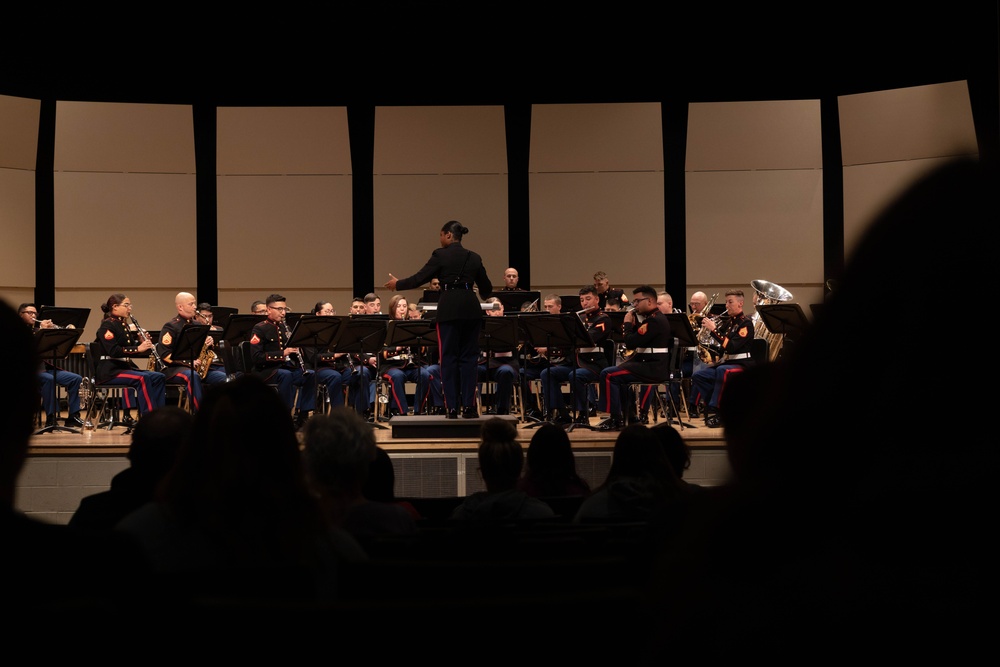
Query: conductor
{"x": 459, "y": 314}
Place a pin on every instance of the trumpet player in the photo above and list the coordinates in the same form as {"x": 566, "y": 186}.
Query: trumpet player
{"x": 275, "y": 362}
{"x": 119, "y": 340}
{"x": 184, "y": 373}
{"x": 735, "y": 333}
{"x": 68, "y": 380}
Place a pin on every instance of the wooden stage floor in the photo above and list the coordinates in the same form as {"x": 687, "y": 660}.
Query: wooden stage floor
{"x": 116, "y": 441}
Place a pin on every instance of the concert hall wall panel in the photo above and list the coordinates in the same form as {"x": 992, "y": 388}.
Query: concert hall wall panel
{"x": 124, "y": 206}
{"x": 284, "y": 206}
{"x": 754, "y": 197}
{"x": 596, "y": 195}
{"x": 431, "y": 165}
{"x": 18, "y": 149}
{"x": 889, "y": 138}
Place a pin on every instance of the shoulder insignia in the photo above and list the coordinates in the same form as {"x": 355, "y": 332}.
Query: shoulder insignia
{"x": 167, "y": 339}
{"x": 254, "y": 339}
{"x": 623, "y": 299}
{"x": 743, "y": 332}
{"x": 109, "y": 334}
{"x": 642, "y": 329}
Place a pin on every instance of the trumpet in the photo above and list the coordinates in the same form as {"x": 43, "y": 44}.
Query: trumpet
{"x": 154, "y": 363}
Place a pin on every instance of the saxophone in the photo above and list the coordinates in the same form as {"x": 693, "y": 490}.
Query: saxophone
{"x": 205, "y": 359}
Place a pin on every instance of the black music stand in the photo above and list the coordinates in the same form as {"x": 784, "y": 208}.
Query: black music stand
{"x": 316, "y": 331}
{"x": 513, "y": 300}
{"x": 186, "y": 347}
{"x": 564, "y": 331}
{"x": 684, "y": 337}
{"x": 65, "y": 318}
{"x": 497, "y": 330}
{"x": 221, "y": 315}
{"x": 570, "y": 303}
{"x": 364, "y": 334}
{"x": 784, "y": 318}
{"x": 235, "y": 333}
{"x": 52, "y": 344}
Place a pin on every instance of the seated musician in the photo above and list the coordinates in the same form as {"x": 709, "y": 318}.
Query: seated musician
{"x": 510, "y": 278}
{"x": 734, "y": 331}
{"x": 206, "y": 316}
{"x": 118, "y": 342}
{"x": 68, "y": 380}
{"x": 330, "y": 367}
{"x": 503, "y": 366}
{"x": 181, "y": 372}
{"x": 275, "y": 362}
{"x": 590, "y": 361}
{"x": 560, "y": 365}
{"x": 397, "y": 365}
{"x": 650, "y": 363}
{"x": 535, "y": 361}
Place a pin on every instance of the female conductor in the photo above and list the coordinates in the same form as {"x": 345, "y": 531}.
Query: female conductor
{"x": 459, "y": 314}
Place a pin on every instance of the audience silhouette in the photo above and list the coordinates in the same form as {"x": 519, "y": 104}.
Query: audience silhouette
{"x": 859, "y": 512}
{"x": 501, "y": 460}
{"x": 381, "y": 483}
{"x": 234, "y": 517}
{"x": 156, "y": 440}
{"x": 640, "y": 485}
{"x": 338, "y": 451}
{"x": 52, "y": 571}
{"x": 550, "y": 471}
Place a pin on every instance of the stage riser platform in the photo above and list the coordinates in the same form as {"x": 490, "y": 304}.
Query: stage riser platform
{"x": 439, "y": 427}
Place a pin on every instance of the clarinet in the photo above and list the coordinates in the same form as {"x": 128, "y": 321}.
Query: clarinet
{"x": 156, "y": 363}
{"x": 288, "y": 335}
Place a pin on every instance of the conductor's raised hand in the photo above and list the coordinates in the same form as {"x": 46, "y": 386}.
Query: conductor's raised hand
{"x": 391, "y": 283}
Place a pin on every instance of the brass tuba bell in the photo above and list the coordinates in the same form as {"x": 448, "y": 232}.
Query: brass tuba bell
{"x": 767, "y": 293}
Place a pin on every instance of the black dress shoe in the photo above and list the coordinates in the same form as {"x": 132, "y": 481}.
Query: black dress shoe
{"x": 611, "y": 425}
{"x": 127, "y": 420}
{"x": 74, "y": 420}
{"x": 713, "y": 421}
{"x": 470, "y": 413}
{"x": 582, "y": 420}
{"x": 452, "y": 414}
{"x": 592, "y": 412}
{"x": 50, "y": 421}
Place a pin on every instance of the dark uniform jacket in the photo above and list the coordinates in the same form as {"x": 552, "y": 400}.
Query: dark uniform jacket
{"x": 457, "y": 269}
{"x": 115, "y": 347}
{"x": 651, "y": 339}
{"x": 595, "y": 358}
{"x": 613, "y": 294}
{"x": 267, "y": 344}
{"x": 735, "y": 336}
{"x": 165, "y": 345}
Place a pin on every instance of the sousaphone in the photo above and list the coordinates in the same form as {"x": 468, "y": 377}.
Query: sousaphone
{"x": 767, "y": 293}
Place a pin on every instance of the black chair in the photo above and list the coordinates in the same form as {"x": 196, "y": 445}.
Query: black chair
{"x": 104, "y": 408}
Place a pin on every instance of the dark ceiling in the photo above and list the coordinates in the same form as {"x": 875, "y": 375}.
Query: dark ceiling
{"x": 467, "y": 55}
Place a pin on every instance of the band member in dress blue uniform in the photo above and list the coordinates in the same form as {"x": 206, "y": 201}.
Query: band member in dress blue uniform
{"x": 399, "y": 365}
{"x": 503, "y": 368}
{"x": 590, "y": 361}
{"x": 180, "y": 372}
{"x": 331, "y": 368}
{"x": 650, "y": 362}
{"x": 118, "y": 342}
{"x": 68, "y": 380}
{"x": 734, "y": 331}
{"x": 274, "y": 361}
{"x": 459, "y": 316}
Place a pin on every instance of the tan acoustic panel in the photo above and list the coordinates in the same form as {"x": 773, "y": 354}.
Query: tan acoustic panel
{"x": 132, "y": 230}
{"x": 285, "y": 232}
{"x": 283, "y": 140}
{"x": 587, "y": 222}
{"x": 118, "y": 137}
{"x": 933, "y": 121}
{"x": 410, "y": 211}
{"x": 750, "y": 225}
{"x": 596, "y": 138}
{"x": 741, "y": 136}
{"x": 441, "y": 140}
{"x": 17, "y": 222}
{"x": 18, "y": 132}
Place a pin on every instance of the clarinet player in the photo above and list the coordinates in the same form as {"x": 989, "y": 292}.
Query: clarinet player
{"x": 459, "y": 315}
{"x": 119, "y": 341}
{"x": 275, "y": 362}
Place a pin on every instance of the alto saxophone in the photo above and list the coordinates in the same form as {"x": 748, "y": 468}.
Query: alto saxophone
{"x": 205, "y": 359}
